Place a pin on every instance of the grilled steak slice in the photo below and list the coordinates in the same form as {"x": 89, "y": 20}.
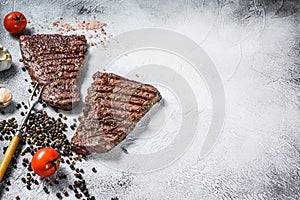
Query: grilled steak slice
{"x": 112, "y": 108}
{"x": 55, "y": 61}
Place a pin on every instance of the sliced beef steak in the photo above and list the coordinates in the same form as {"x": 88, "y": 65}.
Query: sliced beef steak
{"x": 55, "y": 61}
{"x": 112, "y": 108}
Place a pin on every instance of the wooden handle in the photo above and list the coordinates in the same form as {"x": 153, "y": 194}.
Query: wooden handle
{"x": 9, "y": 153}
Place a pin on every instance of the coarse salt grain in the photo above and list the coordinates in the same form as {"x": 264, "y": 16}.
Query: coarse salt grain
{"x": 85, "y": 25}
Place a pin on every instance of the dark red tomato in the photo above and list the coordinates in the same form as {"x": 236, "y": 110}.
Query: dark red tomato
{"x": 45, "y": 162}
{"x": 15, "y": 22}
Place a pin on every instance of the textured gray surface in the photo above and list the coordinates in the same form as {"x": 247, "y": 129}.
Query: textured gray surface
{"x": 255, "y": 46}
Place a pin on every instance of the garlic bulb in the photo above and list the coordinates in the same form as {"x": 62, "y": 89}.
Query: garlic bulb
{"x": 5, "y": 59}
{"x": 5, "y": 97}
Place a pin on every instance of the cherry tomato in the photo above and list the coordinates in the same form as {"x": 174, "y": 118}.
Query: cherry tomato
{"x": 15, "y": 22}
{"x": 45, "y": 162}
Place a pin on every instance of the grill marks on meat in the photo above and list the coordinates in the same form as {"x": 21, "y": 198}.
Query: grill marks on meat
{"x": 112, "y": 108}
{"x": 55, "y": 61}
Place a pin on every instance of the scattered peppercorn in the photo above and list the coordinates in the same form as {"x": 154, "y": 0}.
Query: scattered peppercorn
{"x": 46, "y": 190}
{"x": 65, "y": 192}
{"x": 58, "y": 195}
{"x": 28, "y": 187}
{"x": 75, "y": 191}
{"x": 15, "y": 165}
{"x": 36, "y": 182}
{"x": 72, "y": 167}
{"x": 18, "y": 106}
{"x": 7, "y": 182}
{"x": 78, "y": 195}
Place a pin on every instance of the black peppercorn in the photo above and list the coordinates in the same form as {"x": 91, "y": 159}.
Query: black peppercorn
{"x": 86, "y": 193}
{"x": 58, "y": 195}
{"x": 7, "y": 182}
{"x": 72, "y": 167}
{"x": 23, "y": 180}
{"x": 65, "y": 193}
{"x": 46, "y": 190}
{"x": 78, "y": 195}
{"x": 18, "y": 106}
{"x": 36, "y": 182}
{"x": 77, "y": 175}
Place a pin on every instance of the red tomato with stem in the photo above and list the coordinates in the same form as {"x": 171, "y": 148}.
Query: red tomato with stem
{"x": 45, "y": 162}
{"x": 15, "y": 22}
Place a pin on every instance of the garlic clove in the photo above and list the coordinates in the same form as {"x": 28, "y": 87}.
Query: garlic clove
{"x": 5, "y": 97}
{"x": 5, "y": 59}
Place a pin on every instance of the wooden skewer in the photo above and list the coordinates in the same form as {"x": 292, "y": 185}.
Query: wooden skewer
{"x": 9, "y": 153}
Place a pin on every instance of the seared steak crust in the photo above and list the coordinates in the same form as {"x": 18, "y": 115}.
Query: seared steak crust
{"x": 55, "y": 61}
{"x": 112, "y": 108}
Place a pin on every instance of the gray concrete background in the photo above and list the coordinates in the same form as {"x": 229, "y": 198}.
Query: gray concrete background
{"x": 255, "y": 46}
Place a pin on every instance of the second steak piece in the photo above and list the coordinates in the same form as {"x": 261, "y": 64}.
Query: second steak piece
{"x": 55, "y": 61}
{"x": 112, "y": 108}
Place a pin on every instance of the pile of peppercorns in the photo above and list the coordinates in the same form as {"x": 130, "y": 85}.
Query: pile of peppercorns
{"x": 45, "y": 131}
{"x": 42, "y": 131}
